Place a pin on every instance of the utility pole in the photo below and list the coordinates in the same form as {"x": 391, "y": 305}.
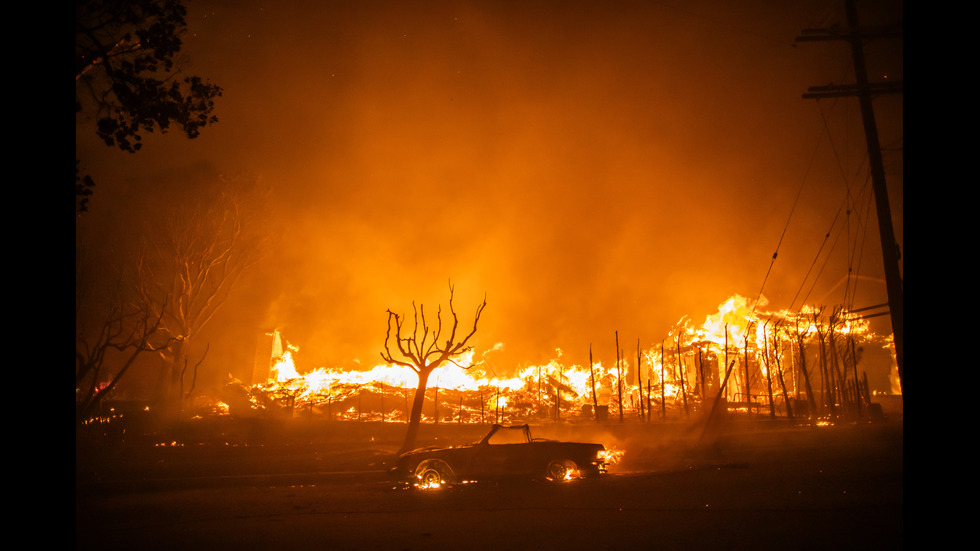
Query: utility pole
{"x": 864, "y": 90}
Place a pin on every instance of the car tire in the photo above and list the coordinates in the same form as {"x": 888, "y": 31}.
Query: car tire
{"x": 558, "y": 469}
{"x": 434, "y": 473}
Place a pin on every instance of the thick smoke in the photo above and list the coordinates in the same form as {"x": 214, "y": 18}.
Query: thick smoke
{"x": 588, "y": 169}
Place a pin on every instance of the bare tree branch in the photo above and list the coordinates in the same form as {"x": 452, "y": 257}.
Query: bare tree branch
{"x": 197, "y": 256}
{"x": 130, "y": 330}
{"x": 422, "y": 358}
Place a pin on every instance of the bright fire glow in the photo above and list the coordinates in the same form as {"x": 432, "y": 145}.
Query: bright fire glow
{"x": 677, "y": 374}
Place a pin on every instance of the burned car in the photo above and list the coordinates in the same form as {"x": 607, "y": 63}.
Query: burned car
{"x": 506, "y": 451}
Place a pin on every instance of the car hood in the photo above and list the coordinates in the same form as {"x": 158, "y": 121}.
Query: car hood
{"x": 428, "y": 449}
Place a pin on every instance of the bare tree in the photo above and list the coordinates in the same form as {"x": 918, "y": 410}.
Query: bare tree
{"x": 422, "y": 351}
{"x": 104, "y": 355}
{"x": 196, "y": 257}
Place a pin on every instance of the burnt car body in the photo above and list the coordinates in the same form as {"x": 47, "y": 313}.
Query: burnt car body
{"x": 506, "y": 451}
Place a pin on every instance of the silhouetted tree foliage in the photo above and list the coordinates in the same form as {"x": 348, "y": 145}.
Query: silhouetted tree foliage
{"x": 126, "y": 66}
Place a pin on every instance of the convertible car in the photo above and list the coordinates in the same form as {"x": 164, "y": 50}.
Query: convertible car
{"x": 506, "y": 451}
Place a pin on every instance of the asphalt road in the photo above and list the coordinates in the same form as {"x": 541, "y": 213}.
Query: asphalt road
{"x": 836, "y": 488}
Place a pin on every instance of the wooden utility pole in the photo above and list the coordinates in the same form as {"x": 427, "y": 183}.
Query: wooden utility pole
{"x": 864, "y": 90}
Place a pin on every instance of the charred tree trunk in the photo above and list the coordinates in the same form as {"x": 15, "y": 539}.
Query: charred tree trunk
{"x": 415, "y": 419}
{"x": 190, "y": 391}
{"x": 423, "y": 351}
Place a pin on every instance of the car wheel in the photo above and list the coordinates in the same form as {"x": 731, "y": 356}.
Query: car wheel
{"x": 434, "y": 473}
{"x": 557, "y": 470}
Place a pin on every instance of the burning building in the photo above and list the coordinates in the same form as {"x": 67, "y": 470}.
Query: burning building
{"x": 811, "y": 364}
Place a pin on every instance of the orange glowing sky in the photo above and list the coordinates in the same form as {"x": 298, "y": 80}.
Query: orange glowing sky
{"x": 590, "y": 166}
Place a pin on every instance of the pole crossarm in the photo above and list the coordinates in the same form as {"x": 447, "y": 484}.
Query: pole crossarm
{"x": 852, "y": 90}
{"x": 863, "y": 90}
{"x": 860, "y": 33}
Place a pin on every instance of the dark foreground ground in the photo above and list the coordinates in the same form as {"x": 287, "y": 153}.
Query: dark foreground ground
{"x": 742, "y": 485}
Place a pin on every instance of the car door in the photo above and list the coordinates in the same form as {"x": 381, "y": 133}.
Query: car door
{"x": 505, "y": 453}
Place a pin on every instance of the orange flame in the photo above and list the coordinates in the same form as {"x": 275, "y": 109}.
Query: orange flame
{"x": 683, "y": 371}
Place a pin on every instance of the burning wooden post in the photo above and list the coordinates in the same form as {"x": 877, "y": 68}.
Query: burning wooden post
{"x": 561, "y": 379}
{"x": 854, "y": 362}
{"x": 595, "y": 399}
{"x": 663, "y": 386}
{"x": 840, "y": 371}
{"x": 838, "y": 380}
{"x": 726, "y": 363}
{"x": 717, "y": 402}
{"x": 619, "y": 378}
{"x": 539, "y": 386}
{"x": 867, "y": 389}
{"x": 496, "y": 412}
{"x": 765, "y": 357}
{"x": 639, "y": 377}
{"x": 702, "y": 389}
{"x": 681, "y": 369}
{"x": 649, "y": 411}
{"x": 811, "y": 399}
{"x": 779, "y": 371}
{"x": 748, "y": 386}
{"x": 826, "y": 392}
